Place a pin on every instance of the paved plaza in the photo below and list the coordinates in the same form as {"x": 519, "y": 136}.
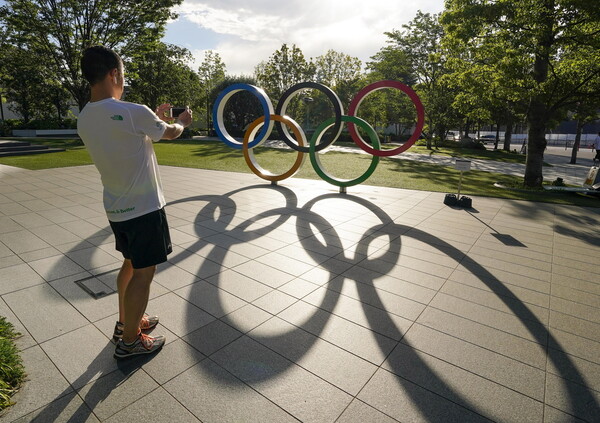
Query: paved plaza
{"x": 297, "y": 303}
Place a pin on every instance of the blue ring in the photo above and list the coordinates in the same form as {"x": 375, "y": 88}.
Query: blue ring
{"x": 219, "y": 106}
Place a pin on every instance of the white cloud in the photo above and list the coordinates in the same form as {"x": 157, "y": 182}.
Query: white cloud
{"x": 252, "y": 31}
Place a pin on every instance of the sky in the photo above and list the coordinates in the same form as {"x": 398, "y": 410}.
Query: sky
{"x": 244, "y": 33}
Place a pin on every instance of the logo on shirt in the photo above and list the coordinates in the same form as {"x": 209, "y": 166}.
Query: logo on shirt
{"x": 117, "y": 117}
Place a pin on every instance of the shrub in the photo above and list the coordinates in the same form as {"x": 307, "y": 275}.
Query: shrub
{"x": 471, "y": 143}
{"x": 11, "y": 366}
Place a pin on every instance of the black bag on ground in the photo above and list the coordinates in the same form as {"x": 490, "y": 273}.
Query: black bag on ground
{"x": 450, "y": 200}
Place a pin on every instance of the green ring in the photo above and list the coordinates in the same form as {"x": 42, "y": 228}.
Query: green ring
{"x": 316, "y": 163}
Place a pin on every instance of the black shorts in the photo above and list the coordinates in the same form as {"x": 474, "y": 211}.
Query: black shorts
{"x": 144, "y": 240}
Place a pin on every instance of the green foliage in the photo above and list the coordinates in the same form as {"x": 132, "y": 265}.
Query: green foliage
{"x": 538, "y": 57}
{"x": 30, "y": 89}
{"x": 286, "y": 67}
{"x": 12, "y": 372}
{"x": 59, "y": 31}
{"x": 212, "y": 72}
{"x": 161, "y": 74}
{"x": 415, "y": 55}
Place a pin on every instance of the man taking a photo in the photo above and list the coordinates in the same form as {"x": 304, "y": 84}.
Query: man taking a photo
{"x": 119, "y": 137}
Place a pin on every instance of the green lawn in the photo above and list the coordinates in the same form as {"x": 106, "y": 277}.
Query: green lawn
{"x": 496, "y": 155}
{"x": 395, "y": 173}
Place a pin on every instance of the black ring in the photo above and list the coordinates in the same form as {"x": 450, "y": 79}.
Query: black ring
{"x": 337, "y": 108}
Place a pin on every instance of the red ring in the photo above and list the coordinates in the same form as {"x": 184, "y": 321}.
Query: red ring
{"x": 354, "y": 105}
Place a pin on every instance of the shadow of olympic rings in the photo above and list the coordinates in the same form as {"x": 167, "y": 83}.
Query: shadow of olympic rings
{"x": 306, "y": 220}
{"x": 223, "y": 210}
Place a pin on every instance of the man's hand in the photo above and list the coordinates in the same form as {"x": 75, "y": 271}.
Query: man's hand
{"x": 185, "y": 119}
{"x": 162, "y": 112}
{"x": 174, "y": 131}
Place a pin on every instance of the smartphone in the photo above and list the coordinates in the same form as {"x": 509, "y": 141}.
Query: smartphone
{"x": 176, "y": 111}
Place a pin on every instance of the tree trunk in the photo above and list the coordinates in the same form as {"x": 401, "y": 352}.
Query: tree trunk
{"x": 497, "y": 136}
{"x": 508, "y": 134}
{"x": 577, "y": 141}
{"x": 536, "y": 143}
{"x": 538, "y": 114}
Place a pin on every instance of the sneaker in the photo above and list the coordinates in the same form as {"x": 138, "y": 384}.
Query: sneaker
{"x": 144, "y": 344}
{"x": 147, "y": 323}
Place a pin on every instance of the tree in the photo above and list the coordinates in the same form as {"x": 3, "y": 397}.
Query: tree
{"x": 415, "y": 55}
{"x": 59, "y": 31}
{"x": 212, "y": 72}
{"x": 28, "y": 86}
{"x": 242, "y": 109}
{"x": 340, "y": 72}
{"x": 545, "y": 43}
{"x": 286, "y": 67}
{"x": 163, "y": 75}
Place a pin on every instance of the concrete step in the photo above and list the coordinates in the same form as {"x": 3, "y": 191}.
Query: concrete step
{"x": 22, "y": 148}
{"x": 30, "y": 152}
{"x": 11, "y": 143}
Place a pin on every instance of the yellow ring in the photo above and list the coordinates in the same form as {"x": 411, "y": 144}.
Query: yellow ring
{"x": 249, "y": 155}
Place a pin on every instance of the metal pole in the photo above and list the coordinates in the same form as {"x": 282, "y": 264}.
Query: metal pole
{"x": 459, "y": 184}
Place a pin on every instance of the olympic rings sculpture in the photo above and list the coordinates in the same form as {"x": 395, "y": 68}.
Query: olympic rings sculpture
{"x": 259, "y": 130}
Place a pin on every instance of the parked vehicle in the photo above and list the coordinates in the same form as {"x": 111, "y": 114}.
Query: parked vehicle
{"x": 487, "y": 139}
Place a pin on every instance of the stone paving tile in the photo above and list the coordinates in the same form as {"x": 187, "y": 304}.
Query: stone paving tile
{"x": 575, "y": 309}
{"x": 44, "y": 385}
{"x": 24, "y": 340}
{"x": 93, "y": 309}
{"x": 67, "y": 408}
{"x": 212, "y": 337}
{"x": 520, "y": 325}
{"x": 333, "y": 364}
{"x": 520, "y": 288}
{"x": 224, "y": 397}
{"x": 157, "y": 406}
{"x": 22, "y": 241}
{"x": 376, "y": 313}
{"x": 265, "y": 273}
{"x": 246, "y": 318}
{"x": 31, "y": 220}
{"x": 51, "y": 316}
{"x": 572, "y": 398}
{"x": 210, "y": 298}
{"x": 574, "y": 369}
{"x": 574, "y": 325}
{"x": 93, "y": 258}
{"x": 339, "y": 331}
{"x": 81, "y": 362}
{"x": 57, "y": 267}
{"x": 116, "y": 391}
{"x": 492, "y": 300}
{"x": 298, "y": 288}
{"x": 274, "y": 302}
{"x": 575, "y": 345}
{"x": 358, "y": 412}
{"x": 39, "y": 254}
{"x": 488, "y": 364}
{"x": 581, "y": 285}
{"x": 552, "y": 415}
{"x": 178, "y": 315}
{"x": 299, "y": 392}
{"x": 10, "y": 260}
{"x": 462, "y": 387}
{"x": 492, "y": 339}
{"x": 407, "y": 401}
{"x": 240, "y": 285}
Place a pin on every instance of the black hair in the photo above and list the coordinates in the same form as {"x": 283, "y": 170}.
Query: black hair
{"x": 97, "y": 61}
